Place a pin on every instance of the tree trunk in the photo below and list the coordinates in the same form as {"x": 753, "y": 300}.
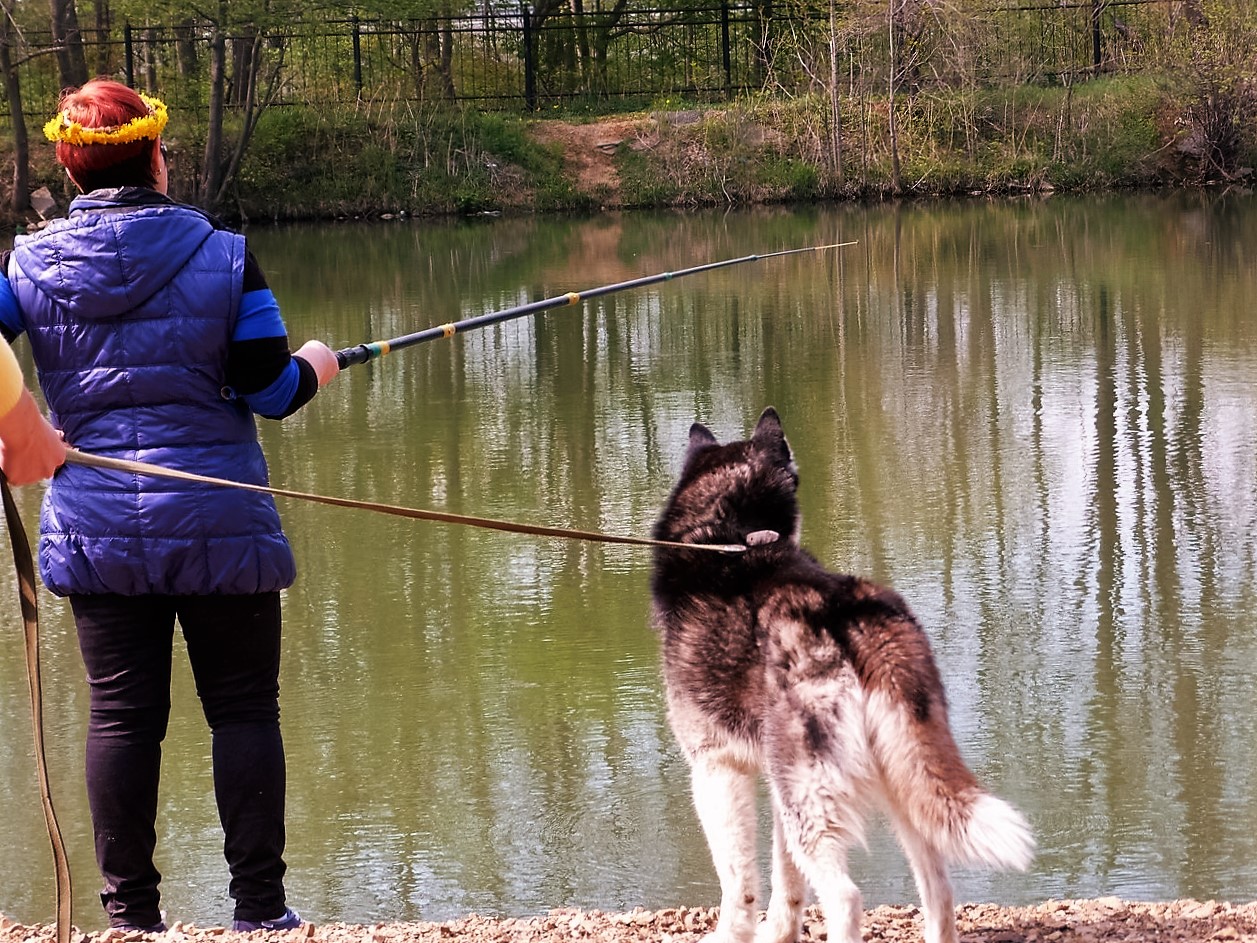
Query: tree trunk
{"x": 103, "y": 20}
{"x": 447, "y": 54}
{"x": 21, "y": 200}
{"x": 149, "y": 60}
{"x": 764, "y": 21}
{"x": 71, "y": 63}
{"x": 255, "y": 102}
{"x": 835, "y": 100}
{"x": 249, "y": 110}
{"x": 212, "y": 169}
{"x": 241, "y": 63}
{"x": 892, "y": 126}
{"x": 438, "y": 79}
{"x": 580, "y": 29}
{"x": 604, "y": 31}
{"x": 416, "y": 61}
{"x": 185, "y": 50}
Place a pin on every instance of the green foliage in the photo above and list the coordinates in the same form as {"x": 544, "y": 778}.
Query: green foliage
{"x": 308, "y": 162}
{"x": 391, "y": 9}
{"x": 505, "y": 137}
{"x": 1211, "y": 63}
{"x": 260, "y": 13}
{"x": 789, "y": 179}
{"x": 640, "y": 183}
{"x": 1190, "y": 116}
{"x": 1101, "y": 134}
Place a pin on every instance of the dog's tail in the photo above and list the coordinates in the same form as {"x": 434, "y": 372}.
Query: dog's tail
{"x": 936, "y": 794}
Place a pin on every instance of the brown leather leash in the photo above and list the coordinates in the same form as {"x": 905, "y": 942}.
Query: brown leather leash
{"x": 144, "y": 468}
{"x": 25, "y": 566}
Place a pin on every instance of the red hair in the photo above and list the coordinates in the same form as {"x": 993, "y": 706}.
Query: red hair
{"x": 104, "y": 103}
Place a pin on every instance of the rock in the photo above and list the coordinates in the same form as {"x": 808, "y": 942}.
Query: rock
{"x": 42, "y": 202}
{"x": 1106, "y": 920}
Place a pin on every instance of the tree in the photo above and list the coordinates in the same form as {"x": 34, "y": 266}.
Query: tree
{"x": 259, "y": 64}
{"x": 835, "y": 99}
{"x": 1221, "y": 79}
{"x": 425, "y": 27}
{"x": 893, "y": 9}
{"x": 103, "y": 23}
{"x": 244, "y": 60}
{"x": 68, "y": 38}
{"x": 21, "y": 199}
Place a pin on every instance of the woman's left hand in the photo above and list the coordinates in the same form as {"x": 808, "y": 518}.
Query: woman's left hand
{"x": 322, "y": 358}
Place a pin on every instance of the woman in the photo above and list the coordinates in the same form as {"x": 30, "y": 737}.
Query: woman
{"x": 30, "y": 448}
{"x": 156, "y": 338}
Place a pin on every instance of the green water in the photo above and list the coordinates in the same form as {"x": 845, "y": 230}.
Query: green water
{"x": 1037, "y": 420}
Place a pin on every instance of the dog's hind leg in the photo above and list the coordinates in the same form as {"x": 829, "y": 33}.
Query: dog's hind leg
{"x": 819, "y": 822}
{"x": 929, "y": 869}
{"x": 824, "y": 865}
{"x": 784, "y": 920}
{"x": 724, "y": 797}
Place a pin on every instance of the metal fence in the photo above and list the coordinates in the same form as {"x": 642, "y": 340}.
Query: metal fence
{"x": 514, "y": 60}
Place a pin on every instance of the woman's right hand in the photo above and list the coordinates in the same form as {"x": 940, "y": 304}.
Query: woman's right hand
{"x": 30, "y": 448}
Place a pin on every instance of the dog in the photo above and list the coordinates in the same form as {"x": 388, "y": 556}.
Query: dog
{"x": 825, "y": 684}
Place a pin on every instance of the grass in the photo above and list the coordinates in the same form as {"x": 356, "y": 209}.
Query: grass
{"x": 318, "y": 163}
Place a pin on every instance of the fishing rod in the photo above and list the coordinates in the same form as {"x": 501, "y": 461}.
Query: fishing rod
{"x": 375, "y": 349}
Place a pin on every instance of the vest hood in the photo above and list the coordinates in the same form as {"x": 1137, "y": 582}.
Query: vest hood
{"x": 125, "y": 257}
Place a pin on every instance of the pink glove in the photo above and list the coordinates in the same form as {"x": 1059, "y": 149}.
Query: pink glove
{"x": 30, "y": 448}
{"x": 322, "y": 358}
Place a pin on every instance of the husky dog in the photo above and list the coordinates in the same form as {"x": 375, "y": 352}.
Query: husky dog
{"x": 821, "y": 681}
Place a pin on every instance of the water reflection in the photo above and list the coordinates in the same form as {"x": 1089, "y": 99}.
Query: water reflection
{"x": 1037, "y": 420}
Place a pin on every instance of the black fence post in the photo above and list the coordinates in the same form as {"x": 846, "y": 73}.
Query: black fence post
{"x": 357, "y": 42}
{"x": 128, "y": 55}
{"x": 530, "y": 73}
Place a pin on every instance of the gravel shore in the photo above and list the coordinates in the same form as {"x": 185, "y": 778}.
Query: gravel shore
{"x": 1054, "y": 921}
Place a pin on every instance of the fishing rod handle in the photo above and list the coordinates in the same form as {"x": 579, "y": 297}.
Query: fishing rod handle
{"x": 353, "y": 355}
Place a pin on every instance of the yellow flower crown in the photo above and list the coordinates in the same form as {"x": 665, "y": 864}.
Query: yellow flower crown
{"x": 150, "y": 126}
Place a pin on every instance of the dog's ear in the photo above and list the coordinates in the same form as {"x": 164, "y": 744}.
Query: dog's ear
{"x": 700, "y": 438}
{"x": 768, "y": 430}
{"x": 769, "y": 436}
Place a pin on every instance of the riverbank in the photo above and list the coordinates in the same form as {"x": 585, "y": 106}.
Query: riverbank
{"x": 1120, "y": 132}
{"x": 1105, "y": 920}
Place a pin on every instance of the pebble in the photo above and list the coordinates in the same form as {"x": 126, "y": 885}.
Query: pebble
{"x": 1103, "y": 920}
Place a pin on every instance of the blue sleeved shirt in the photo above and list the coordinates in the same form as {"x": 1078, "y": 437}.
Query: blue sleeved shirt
{"x": 260, "y": 367}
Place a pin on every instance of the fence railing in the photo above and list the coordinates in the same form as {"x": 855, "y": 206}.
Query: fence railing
{"x": 515, "y": 60}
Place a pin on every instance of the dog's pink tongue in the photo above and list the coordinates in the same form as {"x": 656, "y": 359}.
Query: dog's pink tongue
{"x": 760, "y": 537}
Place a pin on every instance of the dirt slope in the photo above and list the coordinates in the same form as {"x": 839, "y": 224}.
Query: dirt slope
{"x": 589, "y": 150}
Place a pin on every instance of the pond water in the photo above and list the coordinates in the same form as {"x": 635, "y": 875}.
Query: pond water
{"x": 1037, "y": 420}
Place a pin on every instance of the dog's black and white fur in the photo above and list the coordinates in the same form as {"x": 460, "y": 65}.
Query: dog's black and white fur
{"x": 822, "y": 682}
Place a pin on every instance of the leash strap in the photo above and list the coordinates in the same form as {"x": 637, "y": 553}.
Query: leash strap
{"x": 25, "y": 567}
{"x": 144, "y": 468}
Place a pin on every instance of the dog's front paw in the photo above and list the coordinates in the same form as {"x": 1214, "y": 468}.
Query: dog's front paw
{"x": 782, "y": 924}
{"x": 733, "y": 928}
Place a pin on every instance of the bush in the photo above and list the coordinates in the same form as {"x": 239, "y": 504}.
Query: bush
{"x": 306, "y": 162}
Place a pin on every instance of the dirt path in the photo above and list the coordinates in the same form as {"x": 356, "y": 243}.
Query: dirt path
{"x": 1107, "y": 920}
{"x": 589, "y": 150}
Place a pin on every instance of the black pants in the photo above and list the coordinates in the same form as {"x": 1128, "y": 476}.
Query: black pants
{"x": 233, "y": 646}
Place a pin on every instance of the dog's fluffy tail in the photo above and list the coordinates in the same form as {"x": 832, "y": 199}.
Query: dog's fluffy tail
{"x": 934, "y": 792}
